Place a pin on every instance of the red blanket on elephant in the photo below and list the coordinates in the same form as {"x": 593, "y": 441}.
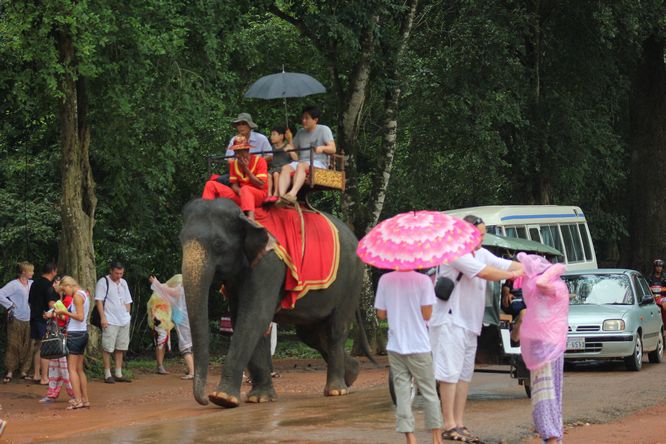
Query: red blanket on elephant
{"x": 311, "y": 257}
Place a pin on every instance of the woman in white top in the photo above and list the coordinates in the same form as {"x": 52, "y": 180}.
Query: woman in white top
{"x": 14, "y": 297}
{"x": 77, "y": 339}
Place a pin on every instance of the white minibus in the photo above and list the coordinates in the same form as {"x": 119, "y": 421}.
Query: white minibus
{"x": 561, "y": 227}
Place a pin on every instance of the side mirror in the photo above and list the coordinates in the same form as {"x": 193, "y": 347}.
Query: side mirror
{"x": 647, "y": 299}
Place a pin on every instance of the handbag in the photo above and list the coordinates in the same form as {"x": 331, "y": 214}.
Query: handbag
{"x": 95, "y": 318}
{"x": 444, "y": 287}
{"x": 54, "y": 343}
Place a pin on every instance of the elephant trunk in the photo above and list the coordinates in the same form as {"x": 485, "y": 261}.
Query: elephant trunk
{"x": 197, "y": 278}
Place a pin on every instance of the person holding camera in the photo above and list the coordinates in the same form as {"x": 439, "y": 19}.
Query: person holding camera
{"x": 456, "y": 324}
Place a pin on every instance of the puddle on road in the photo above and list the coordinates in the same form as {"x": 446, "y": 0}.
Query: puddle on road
{"x": 292, "y": 419}
{"x": 362, "y": 417}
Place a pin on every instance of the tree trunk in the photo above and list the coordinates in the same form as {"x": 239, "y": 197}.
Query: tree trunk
{"x": 78, "y": 200}
{"x": 391, "y": 104}
{"x": 647, "y": 141}
{"x": 348, "y": 130}
{"x": 393, "y": 60}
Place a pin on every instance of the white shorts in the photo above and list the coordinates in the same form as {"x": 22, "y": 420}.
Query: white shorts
{"x": 453, "y": 353}
{"x": 184, "y": 338}
{"x": 316, "y": 163}
{"x": 115, "y": 338}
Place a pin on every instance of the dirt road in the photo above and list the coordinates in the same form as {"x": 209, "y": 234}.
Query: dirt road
{"x": 161, "y": 409}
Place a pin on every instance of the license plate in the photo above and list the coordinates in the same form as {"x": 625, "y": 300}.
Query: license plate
{"x": 575, "y": 343}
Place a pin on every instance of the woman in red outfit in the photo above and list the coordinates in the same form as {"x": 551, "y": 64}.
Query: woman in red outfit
{"x": 248, "y": 175}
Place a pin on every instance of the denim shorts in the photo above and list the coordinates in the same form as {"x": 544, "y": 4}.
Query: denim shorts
{"x": 76, "y": 342}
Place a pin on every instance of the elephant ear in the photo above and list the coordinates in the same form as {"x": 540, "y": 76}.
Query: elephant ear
{"x": 255, "y": 240}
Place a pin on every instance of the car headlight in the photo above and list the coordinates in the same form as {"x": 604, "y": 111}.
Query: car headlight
{"x": 613, "y": 325}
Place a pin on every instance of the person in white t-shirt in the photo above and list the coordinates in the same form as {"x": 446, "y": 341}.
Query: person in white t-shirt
{"x": 405, "y": 299}
{"x": 114, "y": 303}
{"x": 320, "y": 138}
{"x": 456, "y": 324}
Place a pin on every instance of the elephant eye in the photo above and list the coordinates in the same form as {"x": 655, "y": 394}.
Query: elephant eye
{"x": 219, "y": 246}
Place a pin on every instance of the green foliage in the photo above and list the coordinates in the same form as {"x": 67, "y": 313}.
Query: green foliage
{"x": 501, "y": 104}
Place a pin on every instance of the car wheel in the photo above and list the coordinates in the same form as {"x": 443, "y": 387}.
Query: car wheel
{"x": 635, "y": 361}
{"x": 657, "y": 356}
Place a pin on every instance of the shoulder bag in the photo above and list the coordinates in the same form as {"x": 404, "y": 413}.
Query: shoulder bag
{"x": 444, "y": 287}
{"x": 96, "y": 319}
{"x": 54, "y": 343}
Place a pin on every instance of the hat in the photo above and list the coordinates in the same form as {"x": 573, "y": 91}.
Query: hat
{"x": 240, "y": 143}
{"x": 245, "y": 117}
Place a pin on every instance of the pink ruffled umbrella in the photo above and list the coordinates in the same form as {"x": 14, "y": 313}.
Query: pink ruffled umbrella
{"x": 416, "y": 240}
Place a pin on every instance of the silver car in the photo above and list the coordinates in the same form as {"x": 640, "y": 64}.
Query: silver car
{"x": 612, "y": 314}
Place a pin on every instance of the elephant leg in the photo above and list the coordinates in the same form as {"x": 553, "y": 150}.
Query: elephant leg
{"x": 257, "y": 299}
{"x": 335, "y": 376}
{"x": 260, "y": 372}
{"x": 318, "y": 337}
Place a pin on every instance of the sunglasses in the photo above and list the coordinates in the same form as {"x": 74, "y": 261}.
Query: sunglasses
{"x": 477, "y": 221}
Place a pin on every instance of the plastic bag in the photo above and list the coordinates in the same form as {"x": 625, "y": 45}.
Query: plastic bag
{"x": 543, "y": 333}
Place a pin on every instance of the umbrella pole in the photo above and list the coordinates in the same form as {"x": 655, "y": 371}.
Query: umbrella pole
{"x": 286, "y": 118}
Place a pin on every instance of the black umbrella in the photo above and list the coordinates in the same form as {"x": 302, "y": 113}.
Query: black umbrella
{"x": 283, "y": 85}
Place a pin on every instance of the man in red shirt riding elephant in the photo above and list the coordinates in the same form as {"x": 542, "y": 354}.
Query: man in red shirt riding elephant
{"x": 248, "y": 175}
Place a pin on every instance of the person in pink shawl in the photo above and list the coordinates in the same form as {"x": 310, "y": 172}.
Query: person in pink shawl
{"x": 543, "y": 339}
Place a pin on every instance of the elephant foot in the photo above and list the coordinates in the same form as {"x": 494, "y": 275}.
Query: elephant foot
{"x": 336, "y": 391}
{"x": 352, "y": 369}
{"x": 224, "y": 399}
{"x": 258, "y": 395}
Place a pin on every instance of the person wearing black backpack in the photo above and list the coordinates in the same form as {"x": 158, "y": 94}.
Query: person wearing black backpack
{"x": 114, "y": 302}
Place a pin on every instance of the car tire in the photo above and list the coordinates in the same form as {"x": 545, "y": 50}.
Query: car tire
{"x": 634, "y": 362}
{"x": 657, "y": 356}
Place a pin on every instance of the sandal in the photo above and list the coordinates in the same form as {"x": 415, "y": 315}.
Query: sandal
{"x": 86, "y": 405}
{"x": 187, "y": 377}
{"x": 453, "y": 434}
{"x": 467, "y": 434}
{"x": 76, "y": 405}
{"x": 289, "y": 198}
{"x": 275, "y": 375}
{"x": 6, "y": 379}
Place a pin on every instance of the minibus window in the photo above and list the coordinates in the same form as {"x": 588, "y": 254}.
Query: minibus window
{"x": 551, "y": 236}
{"x": 510, "y": 232}
{"x": 586, "y": 241}
{"x": 522, "y": 232}
{"x": 534, "y": 234}
{"x": 572, "y": 243}
{"x": 493, "y": 229}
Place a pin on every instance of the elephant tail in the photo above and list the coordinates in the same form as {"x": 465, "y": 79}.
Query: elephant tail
{"x": 365, "y": 345}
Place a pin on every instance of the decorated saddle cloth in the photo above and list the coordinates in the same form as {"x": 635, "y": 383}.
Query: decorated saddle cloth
{"x": 310, "y": 248}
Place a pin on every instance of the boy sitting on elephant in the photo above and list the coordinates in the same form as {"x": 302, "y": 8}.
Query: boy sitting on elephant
{"x": 248, "y": 175}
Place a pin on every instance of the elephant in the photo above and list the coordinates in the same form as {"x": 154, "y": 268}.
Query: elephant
{"x": 220, "y": 243}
